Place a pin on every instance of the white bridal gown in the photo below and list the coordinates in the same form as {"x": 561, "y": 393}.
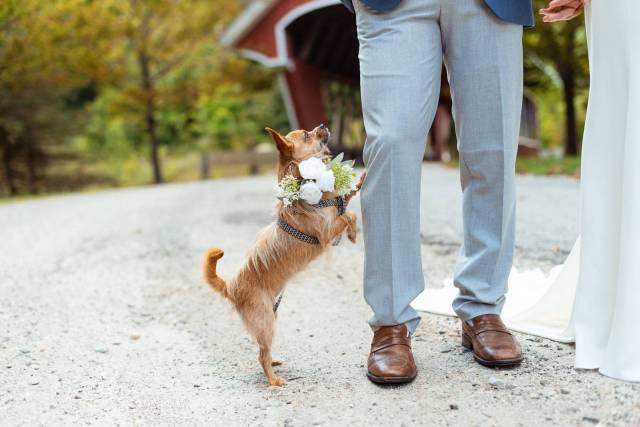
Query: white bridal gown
{"x": 595, "y": 297}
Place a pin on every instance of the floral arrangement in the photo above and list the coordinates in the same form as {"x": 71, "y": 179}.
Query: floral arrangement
{"x": 318, "y": 176}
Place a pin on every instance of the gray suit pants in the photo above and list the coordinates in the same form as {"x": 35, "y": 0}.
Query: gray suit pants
{"x": 401, "y": 55}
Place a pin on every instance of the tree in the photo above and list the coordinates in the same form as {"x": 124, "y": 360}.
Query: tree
{"x": 82, "y": 77}
{"x": 181, "y": 79}
{"x": 556, "y": 55}
{"x": 163, "y": 36}
{"x": 34, "y": 78}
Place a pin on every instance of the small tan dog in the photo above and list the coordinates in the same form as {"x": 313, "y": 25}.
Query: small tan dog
{"x": 277, "y": 255}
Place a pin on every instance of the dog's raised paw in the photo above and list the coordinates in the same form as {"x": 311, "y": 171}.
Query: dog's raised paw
{"x": 351, "y": 225}
{"x": 362, "y": 178}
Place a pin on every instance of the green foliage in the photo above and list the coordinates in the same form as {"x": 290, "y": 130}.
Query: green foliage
{"x": 557, "y": 74}
{"x": 85, "y": 81}
{"x": 343, "y": 174}
{"x": 231, "y": 116}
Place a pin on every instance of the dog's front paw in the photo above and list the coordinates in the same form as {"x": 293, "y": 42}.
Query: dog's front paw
{"x": 362, "y": 178}
{"x": 351, "y": 226}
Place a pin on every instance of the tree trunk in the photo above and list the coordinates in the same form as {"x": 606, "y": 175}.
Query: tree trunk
{"x": 8, "y": 175}
{"x": 571, "y": 142}
{"x": 150, "y": 116}
{"x": 568, "y": 74}
{"x": 204, "y": 166}
{"x": 8, "y": 172}
{"x": 254, "y": 168}
{"x": 30, "y": 160}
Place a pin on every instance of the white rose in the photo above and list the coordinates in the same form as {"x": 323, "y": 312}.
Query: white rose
{"x": 326, "y": 181}
{"x": 312, "y": 168}
{"x": 310, "y": 193}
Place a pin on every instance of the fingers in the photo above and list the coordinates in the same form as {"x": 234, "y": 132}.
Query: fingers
{"x": 561, "y": 14}
{"x": 565, "y": 3}
{"x": 568, "y": 16}
{"x": 571, "y": 4}
{"x": 562, "y": 10}
{"x": 579, "y": 11}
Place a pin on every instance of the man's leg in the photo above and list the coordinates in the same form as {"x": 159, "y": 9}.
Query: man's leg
{"x": 400, "y": 64}
{"x": 484, "y": 60}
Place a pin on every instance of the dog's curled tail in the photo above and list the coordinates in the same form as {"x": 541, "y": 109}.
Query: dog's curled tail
{"x": 210, "y": 275}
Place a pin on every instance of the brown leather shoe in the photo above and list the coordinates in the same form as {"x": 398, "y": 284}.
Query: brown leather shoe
{"x": 491, "y": 341}
{"x": 391, "y": 360}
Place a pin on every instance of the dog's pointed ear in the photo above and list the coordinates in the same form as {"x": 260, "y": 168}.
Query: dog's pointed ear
{"x": 284, "y": 147}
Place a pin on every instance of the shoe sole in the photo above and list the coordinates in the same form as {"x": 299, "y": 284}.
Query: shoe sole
{"x": 467, "y": 343}
{"x": 390, "y": 380}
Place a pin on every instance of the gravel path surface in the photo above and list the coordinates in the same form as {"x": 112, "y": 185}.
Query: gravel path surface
{"x": 104, "y": 320}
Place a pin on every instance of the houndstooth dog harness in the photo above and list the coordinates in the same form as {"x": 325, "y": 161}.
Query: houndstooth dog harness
{"x": 292, "y": 231}
{"x": 297, "y": 233}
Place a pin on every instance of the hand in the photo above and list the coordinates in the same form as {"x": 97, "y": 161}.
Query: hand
{"x": 562, "y": 10}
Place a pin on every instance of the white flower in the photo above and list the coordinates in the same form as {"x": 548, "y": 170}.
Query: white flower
{"x": 354, "y": 183}
{"x": 310, "y": 193}
{"x": 312, "y": 168}
{"x": 326, "y": 181}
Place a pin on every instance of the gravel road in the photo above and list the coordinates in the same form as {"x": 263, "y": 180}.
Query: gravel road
{"x": 104, "y": 320}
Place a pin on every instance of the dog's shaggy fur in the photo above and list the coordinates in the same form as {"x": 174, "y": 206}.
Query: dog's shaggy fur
{"x": 277, "y": 256}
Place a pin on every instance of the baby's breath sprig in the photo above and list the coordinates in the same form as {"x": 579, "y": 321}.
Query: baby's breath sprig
{"x": 288, "y": 190}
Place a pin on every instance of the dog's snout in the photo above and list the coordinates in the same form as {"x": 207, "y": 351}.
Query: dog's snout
{"x": 322, "y": 132}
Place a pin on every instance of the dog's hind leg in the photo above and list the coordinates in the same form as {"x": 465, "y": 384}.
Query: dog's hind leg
{"x": 265, "y": 338}
{"x": 260, "y": 321}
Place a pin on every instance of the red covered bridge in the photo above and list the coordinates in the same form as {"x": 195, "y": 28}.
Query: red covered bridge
{"x": 314, "y": 46}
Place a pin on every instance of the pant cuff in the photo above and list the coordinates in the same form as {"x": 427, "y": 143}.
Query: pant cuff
{"x": 469, "y": 310}
{"x": 412, "y": 324}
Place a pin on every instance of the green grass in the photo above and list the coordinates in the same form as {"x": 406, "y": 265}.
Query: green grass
{"x": 88, "y": 175}
{"x": 25, "y": 197}
{"x": 545, "y": 167}
{"x": 183, "y": 167}
{"x": 562, "y": 166}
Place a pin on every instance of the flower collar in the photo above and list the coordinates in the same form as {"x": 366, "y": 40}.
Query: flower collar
{"x": 317, "y": 177}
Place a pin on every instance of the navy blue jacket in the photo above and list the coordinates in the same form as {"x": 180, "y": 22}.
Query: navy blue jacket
{"x": 516, "y": 11}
